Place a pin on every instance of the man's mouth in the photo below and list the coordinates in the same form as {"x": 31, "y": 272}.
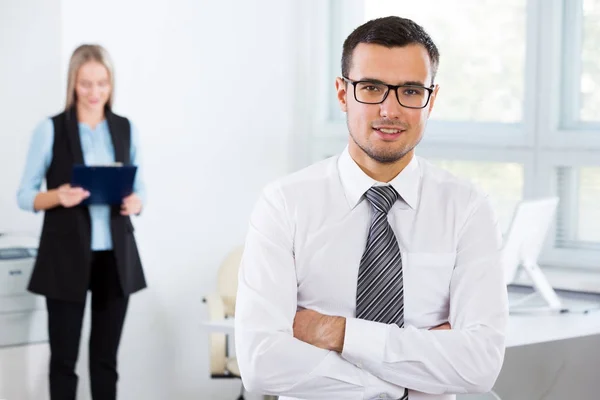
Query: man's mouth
{"x": 390, "y": 131}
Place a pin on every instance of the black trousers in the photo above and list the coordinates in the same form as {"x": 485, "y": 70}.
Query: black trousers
{"x": 65, "y": 318}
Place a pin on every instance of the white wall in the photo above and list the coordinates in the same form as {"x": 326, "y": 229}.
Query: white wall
{"x": 30, "y": 87}
{"x": 210, "y": 87}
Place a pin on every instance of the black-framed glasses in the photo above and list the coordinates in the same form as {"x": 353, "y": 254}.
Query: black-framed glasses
{"x": 374, "y": 92}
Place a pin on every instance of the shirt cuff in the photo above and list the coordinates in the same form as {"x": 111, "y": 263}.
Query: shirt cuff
{"x": 364, "y": 341}
{"x": 376, "y": 389}
{"x": 335, "y": 367}
{"x": 26, "y": 200}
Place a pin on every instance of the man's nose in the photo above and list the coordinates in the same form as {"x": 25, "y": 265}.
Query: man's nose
{"x": 391, "y": 108}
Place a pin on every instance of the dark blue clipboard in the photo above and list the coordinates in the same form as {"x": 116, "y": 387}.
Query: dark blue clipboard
{"x": 106, "y": 184}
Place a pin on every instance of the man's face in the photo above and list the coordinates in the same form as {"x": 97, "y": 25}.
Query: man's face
{"x": 386, "y": 132}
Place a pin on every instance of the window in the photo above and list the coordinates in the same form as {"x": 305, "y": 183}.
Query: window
{"x": 579, "y": 219}
{"x": 503, "y": 182}
{"x": 590, "y": 59}
{"x": 581, "y": 65}
{"x": 589, "y": 207}
{"x": 481, "y": 75}
{"x": 518, "y": 111}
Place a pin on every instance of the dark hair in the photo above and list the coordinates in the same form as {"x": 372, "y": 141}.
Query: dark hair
{"x": 390, "y": 32}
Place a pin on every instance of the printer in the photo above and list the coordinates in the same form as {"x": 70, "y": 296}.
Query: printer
{"x": 23, "y": 316}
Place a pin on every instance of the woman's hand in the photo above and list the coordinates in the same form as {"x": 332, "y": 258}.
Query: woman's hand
{"x": 70, "y": 197}
{"x": 132, "y": 204}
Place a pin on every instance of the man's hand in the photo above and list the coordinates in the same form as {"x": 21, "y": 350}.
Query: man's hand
{"x": 323, "y": 331}
{"x": 132, "y": 204}
{"x": 70, "y": 196}
{"x": 443, "y": 327}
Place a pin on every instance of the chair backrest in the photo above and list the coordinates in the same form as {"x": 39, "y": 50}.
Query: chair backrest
{"x": 527, "y": 234}
{"x": 227, "y": 279}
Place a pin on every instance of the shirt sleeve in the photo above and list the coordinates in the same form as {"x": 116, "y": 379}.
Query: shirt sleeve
{"x": 37, "y": 163}
{"x": 465, "y": 359}
{"x": 270, "y": 359}
{"x": 139, "y": 185}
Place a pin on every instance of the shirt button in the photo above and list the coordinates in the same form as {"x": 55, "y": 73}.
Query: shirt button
{"x": 383, "y": 396}
{"x": 359, "y": 365}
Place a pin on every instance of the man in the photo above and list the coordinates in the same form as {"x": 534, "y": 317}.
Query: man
{"x": 374, "y": 274}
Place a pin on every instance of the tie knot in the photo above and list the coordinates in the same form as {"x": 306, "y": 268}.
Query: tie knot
{"x": 382, "y": 197}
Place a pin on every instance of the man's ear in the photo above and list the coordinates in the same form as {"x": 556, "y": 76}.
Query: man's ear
{"x": 341, "y": 88}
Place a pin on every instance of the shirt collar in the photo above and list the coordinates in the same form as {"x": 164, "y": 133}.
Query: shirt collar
{"x": 355, "y": 182}
{"x": 101, "y": 125}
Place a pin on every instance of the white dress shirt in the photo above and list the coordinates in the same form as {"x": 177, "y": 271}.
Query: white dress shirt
{"x": 306, "y": 237}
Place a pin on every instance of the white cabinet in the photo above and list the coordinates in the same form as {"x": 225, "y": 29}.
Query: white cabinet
{"x": 23, "y": 316}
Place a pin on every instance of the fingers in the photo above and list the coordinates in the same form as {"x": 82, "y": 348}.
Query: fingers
{"x": 125, "y": 210}
{"x": 131, "y": 205}
{"x": 70, "y": 196}
{"x": 81, "y": 193}
{"x": 66, "y": 189}
{"x": 78, "y": 194}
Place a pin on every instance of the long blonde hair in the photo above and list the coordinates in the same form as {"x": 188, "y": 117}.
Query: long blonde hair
{"x": 81, "y": 55}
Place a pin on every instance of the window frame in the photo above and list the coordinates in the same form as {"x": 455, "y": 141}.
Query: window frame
{"x": 541, "y": 138}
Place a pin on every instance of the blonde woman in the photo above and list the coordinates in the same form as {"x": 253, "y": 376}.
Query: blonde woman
{"x": 83, "y": 247}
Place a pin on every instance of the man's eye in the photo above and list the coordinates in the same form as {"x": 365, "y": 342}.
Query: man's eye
{"x": 371, "y": 88}
{"x": 412, "y": 92}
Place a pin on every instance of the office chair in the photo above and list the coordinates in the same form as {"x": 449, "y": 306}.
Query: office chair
{"x": 221, "y": 305}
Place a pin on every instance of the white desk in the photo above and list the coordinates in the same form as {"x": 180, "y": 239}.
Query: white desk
{"x": 532, "y": 329}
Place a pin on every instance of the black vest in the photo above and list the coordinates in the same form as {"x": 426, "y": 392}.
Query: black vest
{"x": 63, "y": 264}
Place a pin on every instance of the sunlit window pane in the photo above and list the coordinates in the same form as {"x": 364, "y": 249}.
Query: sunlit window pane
{"x": 502, "y": 181}
{"x": 482, "y": 54}
{"x": 590, "y": 58}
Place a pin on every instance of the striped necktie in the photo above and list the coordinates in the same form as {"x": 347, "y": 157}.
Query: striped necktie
{"x": 380, "y": 292}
